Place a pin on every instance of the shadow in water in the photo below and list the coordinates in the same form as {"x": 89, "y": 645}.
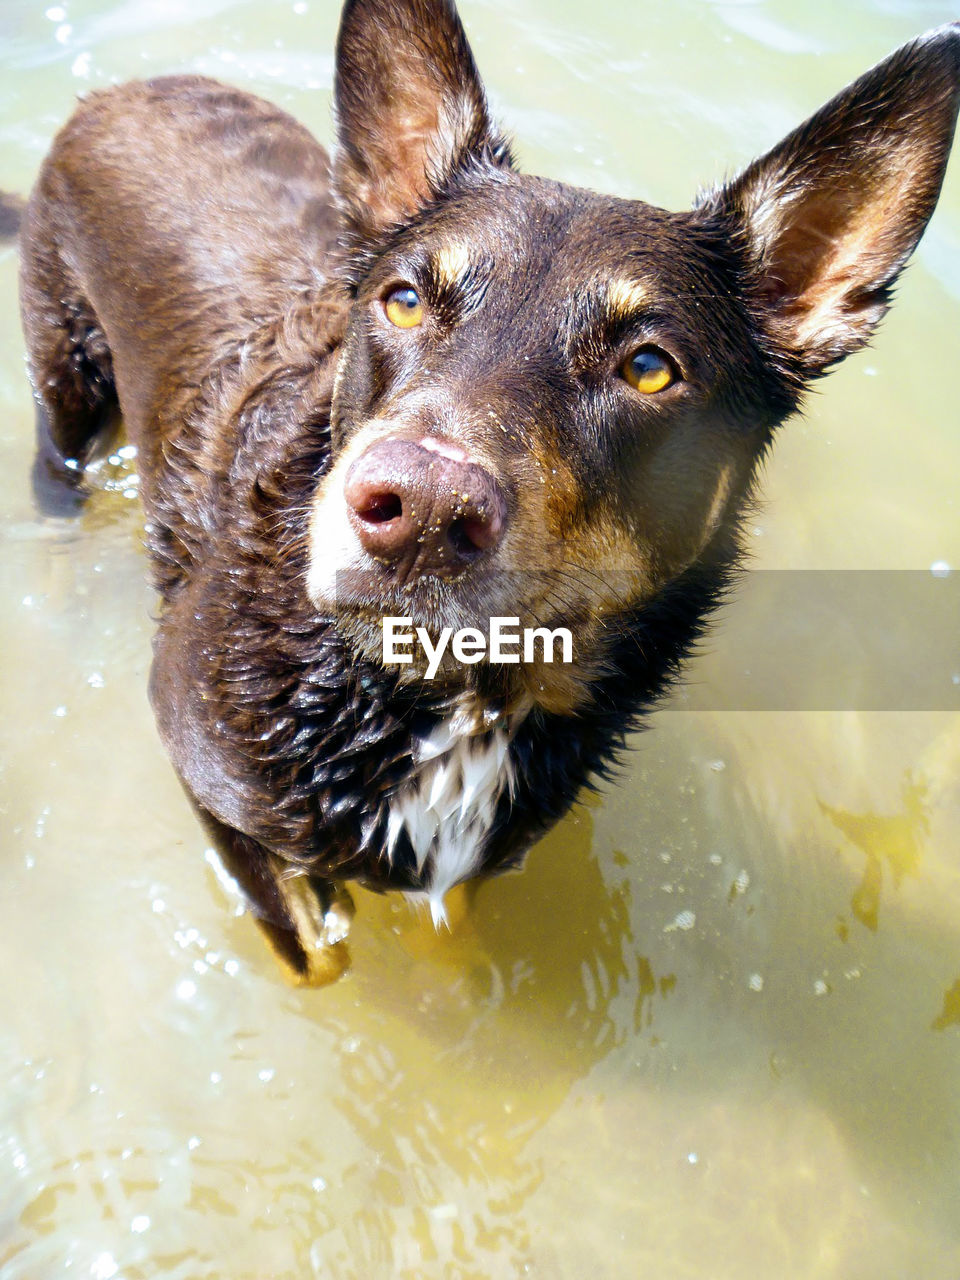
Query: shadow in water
{"x": 483, "y": 1035}
{"x": 891, "y": 841}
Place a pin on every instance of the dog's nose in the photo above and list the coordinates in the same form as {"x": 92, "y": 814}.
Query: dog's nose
{"x": 423, "y": 507}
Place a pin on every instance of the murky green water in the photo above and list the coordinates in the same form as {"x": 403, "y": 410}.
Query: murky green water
{"x": 714, "y": 1029}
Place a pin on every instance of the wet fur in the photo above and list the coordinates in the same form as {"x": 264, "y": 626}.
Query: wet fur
{"x": 221, "y": 287}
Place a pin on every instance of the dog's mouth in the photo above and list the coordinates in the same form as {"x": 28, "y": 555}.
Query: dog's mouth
{"x": 433, "y": 602}
{"x": 517, "y": 637}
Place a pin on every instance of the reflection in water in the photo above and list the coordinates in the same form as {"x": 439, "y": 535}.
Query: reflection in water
{"x": 950, "y": 1014}
{"x": 893, "y": 841}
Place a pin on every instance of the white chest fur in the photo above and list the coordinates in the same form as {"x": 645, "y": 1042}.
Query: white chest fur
{"x": 449, "y": 805}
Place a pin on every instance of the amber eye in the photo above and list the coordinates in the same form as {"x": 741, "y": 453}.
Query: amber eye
{"x": 403, "y": 307}
{"x": 649, "y": 370}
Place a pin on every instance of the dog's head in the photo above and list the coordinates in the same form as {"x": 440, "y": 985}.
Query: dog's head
{"x": 550, "y": 403}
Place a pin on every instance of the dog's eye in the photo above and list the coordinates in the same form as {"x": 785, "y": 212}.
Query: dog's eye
{"x": 403, "y": 307}
{"x": 649, "y": 370}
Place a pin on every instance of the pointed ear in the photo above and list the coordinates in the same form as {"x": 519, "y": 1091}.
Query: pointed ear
{"x": 410, "y": 109}
{"x": 833, "y": 213}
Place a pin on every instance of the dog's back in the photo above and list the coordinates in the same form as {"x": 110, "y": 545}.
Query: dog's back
{"x": 172, "y": 220}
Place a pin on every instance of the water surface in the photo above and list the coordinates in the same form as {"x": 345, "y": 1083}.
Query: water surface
{"x": 714, "y": 1029}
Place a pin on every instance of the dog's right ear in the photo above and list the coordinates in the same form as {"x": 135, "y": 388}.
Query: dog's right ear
{"x": 831, "y": 215}
{"x": 410, "y": 109}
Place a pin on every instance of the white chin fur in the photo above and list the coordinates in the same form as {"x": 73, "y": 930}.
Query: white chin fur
{"x": 449, "y": 806}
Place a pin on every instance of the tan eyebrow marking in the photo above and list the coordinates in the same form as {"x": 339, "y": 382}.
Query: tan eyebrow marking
{"x": 452, "y": 263}
{"x": 624, "y": 297}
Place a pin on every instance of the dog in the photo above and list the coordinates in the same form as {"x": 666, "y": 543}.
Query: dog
{"x": 411, "y": 383}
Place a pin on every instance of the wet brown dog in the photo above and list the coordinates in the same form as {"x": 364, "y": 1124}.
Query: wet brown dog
{"x": 415, "y": 382}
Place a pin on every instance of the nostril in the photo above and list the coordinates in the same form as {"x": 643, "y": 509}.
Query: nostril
{"x": 380, "y": 507}
{"x": 471, "y": 535}
{"x": 466, "y": 538}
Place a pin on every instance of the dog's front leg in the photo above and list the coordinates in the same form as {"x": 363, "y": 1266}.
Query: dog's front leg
{"x": 304, "y": 918}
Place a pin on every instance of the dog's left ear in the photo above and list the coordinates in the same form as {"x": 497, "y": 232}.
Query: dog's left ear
{"x": 833, "y": 213}
{"x": 410, "y": 109}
